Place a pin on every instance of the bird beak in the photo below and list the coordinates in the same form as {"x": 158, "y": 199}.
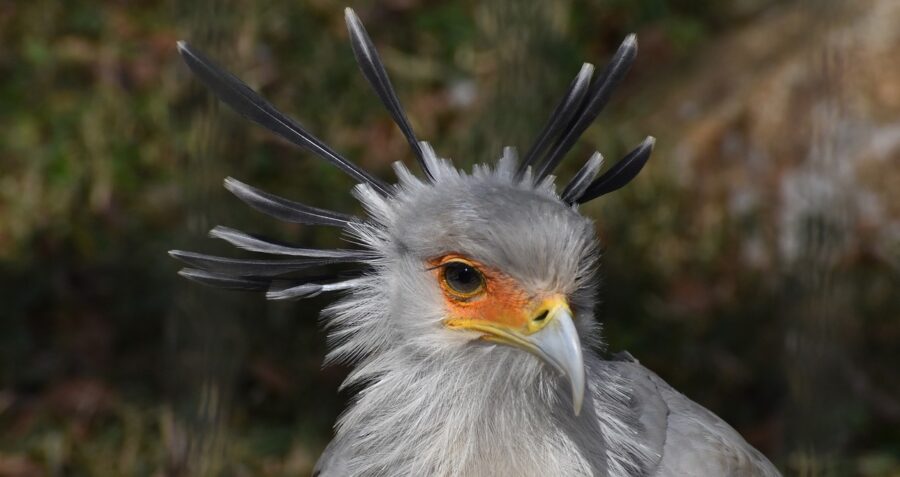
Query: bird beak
{"x": 549, "y": 333}
{"x": 558, "y": 345}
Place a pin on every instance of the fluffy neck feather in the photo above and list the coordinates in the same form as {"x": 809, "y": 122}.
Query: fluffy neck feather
{"x": 484, "y": 410}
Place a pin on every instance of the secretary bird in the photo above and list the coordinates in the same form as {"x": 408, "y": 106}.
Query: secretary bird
{"x": 469, "y": 316}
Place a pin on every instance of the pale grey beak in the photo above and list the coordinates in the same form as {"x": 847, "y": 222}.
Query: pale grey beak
{"x": 558, "y": 345}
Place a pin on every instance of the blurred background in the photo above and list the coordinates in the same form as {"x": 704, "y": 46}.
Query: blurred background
{"x": 754, "y": 264}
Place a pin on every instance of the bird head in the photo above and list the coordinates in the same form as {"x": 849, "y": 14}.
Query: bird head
{"x": 483, "y": 259}
{"x": 492, "y": 260}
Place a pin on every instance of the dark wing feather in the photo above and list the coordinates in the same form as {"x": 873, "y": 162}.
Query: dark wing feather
{"x": 285, "y": 209}
{"x": 246, "y": 102}
{"x": 373, "y": 69}
{"x": 600, "y": 92}
{"x": 620, "y": 174}
{"x": 560, "y": 118}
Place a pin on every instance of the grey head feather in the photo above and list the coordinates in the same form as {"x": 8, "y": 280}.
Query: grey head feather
{"x": 507, "y": 165}
{"x": 432, "y": 161}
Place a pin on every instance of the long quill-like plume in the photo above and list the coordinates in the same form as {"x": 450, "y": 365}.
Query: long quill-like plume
{"x": 276, "y": 289}
{"x": 597, "y": 98}
{"x": 576, "y": 187}
{"x": 373, "y": 69}
{"x": 559, "y": 119}
{"x": 285, "y": 209}
{"x": 257, "y": 244}
{"x": 246, "y": 102}
{"x": 242, "y": 267}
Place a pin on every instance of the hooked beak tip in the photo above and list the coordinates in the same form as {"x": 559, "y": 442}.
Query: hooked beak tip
{"x": 577, "y": 393}
{"x": 557, "y": 343}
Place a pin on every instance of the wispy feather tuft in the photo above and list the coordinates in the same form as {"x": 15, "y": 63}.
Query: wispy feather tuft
{"x": 506, "y": 166}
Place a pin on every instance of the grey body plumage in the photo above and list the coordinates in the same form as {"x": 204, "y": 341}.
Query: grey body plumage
{"x": 490, "y": 369}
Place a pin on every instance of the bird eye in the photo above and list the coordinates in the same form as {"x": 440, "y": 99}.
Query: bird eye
{"x": 462, "y": 279}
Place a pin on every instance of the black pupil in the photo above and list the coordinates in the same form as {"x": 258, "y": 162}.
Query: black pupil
{"x": 462, "y": 278}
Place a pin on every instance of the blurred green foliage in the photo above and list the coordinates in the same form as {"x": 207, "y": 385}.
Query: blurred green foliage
{"x": 112, "y": 153}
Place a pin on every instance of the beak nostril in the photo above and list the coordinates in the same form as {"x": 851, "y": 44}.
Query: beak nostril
{"x": 542, "y": 316}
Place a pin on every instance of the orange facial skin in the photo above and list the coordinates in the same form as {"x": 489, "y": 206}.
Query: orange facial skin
{"x": 499, "y": 303}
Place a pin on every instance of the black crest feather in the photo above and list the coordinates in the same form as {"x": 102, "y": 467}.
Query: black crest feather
{"x": 373, "y": 69}
{"x": 576, "y": 187}
{"x": 246, "y": 102}
{"x": 560, "y": 118}
{"x": 284, "y": 209}
{"x": 239, "y": 267}
{"x": 227, "y": 282}
{"x": 621, "y": 173}
{"x": 597, "y": 98}
{"x": 582, "y": 103}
